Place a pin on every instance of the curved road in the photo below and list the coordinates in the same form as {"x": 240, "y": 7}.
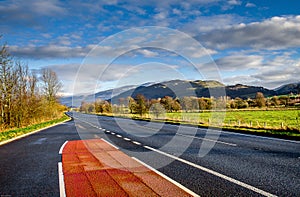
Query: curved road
{"x": 235, "y": 164}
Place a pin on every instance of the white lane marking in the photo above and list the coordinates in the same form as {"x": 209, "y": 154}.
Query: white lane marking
{"x": 62, "y": 191}
{"x": 80, "y": 126}
{"x": 107, "y": 131}
{"x": 62, "y": 147}
{"x": 110, "y": 144}
{"x": 201, "y": 138}
{"x": 242, "y": 184}
{"x": 135, "y": 142}
{"x": 167, "y": 178}
{"x": 127, "y": 139}
{"x": 263, "y": 137}
{"x": 119, "y": 136}
{"x": 113, "y": 133}
{"x": 147, "y": 127}
{"x": 215, "y": 141}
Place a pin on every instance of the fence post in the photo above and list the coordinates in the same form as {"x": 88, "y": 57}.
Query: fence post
{"x": 250, "y": 123}
{"x": 265, "y": 124}
{"x": 282, "y": 125}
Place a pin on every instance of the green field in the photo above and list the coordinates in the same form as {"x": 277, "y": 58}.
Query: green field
{"x": 281, "y": 121}
{"x": 268, "y": 119}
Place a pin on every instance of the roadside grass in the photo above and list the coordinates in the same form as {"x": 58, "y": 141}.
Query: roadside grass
{"x": 13, "y": 133}
{"x": 280, "y": 122}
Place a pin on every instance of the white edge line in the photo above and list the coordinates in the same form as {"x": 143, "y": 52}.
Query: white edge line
{"x": 242, "y": 184}
{"x": 62, "y": 191}
{"x": 263, "y": 137}
{"x": 215, "y": 141}
{"x": 30, "y": 133}
{"x": 167, "y": 178}
{"x": 62, "y": 147}
{"x": 110, "y": 143}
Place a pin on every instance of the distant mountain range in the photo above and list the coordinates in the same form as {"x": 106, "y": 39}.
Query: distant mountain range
{"x": 180, "y": 88}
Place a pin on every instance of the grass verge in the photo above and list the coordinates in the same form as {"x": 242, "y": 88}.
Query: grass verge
{"x": 11, "y": 134}
{"x": 263, "y": 123}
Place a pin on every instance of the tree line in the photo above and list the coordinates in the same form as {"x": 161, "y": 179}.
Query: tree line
{"x": 26, "y": 97}
{"x": 141, "y": 105}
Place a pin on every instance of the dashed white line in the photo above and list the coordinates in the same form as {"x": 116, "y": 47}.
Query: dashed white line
{"x": 127, "y": 139}
{"x": 113, "y": 133}
{"x": 62, "y": 147}
{"x": 110, "y": 143}
{"x": 135, "y": 142}
{"x": 242, "y": 184}
{"x": 167, "y": 178}
{"x": 119, "y": 136}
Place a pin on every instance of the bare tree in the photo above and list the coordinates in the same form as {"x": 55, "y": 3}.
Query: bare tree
{"x": 51, "y": 84}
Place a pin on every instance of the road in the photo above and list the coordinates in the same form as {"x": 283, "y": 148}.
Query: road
{"x": 210, "y": 163}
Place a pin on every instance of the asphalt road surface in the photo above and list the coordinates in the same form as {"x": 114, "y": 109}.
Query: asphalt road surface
{"x": 209, "y": 162}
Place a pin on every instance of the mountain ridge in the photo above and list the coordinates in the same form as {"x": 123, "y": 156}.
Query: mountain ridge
{"x": 179, "y": 88}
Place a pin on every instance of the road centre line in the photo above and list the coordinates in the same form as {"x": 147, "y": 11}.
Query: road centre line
{"x": 127, "y": 139}
{"x": 119, "y": 136}
{"x": 242, "y": 184}
{"x": 135, "y": 142}
{"x": 110, "y": 143}
{"x": 201, "y": 138}
{"x": 167, "y": 178}
{"x": 62, "y": 147}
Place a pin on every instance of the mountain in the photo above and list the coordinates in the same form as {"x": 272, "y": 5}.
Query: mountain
{"x": 181, "y": 88}
{"x": 244, "y": 91}
{"x": 102, "y": 95}
{"x": 288, "y": 89}
{"x": 173, "y": 88}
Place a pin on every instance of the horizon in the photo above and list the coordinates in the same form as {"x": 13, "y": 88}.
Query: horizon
{"x": 251, "y": 42}
{"x": 153, "y": 83}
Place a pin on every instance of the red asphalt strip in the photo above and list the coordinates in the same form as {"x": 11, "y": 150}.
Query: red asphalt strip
{"x": 95, "y": 168}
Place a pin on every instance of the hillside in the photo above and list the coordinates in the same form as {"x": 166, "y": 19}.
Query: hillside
{"x": 181, "y": 88}
{"x": 288, "y": 89}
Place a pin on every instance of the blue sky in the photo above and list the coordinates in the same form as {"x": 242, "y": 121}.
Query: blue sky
{"x": 253, "y": 42}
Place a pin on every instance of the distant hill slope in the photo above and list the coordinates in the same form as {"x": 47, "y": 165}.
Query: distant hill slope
{"x": 288, "y": 89}
{"x": 181, "y": 88}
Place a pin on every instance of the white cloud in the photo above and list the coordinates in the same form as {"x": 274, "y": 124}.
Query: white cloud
{"x": 255, "y": 70}
{"x": 273, "y": 33}
{"x": 207, "y": 24}
{"x": 239, "y": 62}
{"x": 250, "y": 5}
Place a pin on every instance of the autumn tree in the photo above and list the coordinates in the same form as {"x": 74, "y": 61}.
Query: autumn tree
{"x": 260, "y": 99}
{"x": 141, "y": 105}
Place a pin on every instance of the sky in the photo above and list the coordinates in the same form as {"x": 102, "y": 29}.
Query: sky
{"x": 98, "y": 45}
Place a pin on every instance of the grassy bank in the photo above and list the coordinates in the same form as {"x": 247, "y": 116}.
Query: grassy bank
{"x": 10, "y": 134}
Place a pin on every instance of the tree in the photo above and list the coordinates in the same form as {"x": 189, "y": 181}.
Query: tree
{"x": 260, "y": 99}
{"x": 141, "y": 106}
{"x": 132, "y": 105}
{"x": 156, "y": 108}
{"x": 186, "y": 103}
{"x": 51, "y": 84}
